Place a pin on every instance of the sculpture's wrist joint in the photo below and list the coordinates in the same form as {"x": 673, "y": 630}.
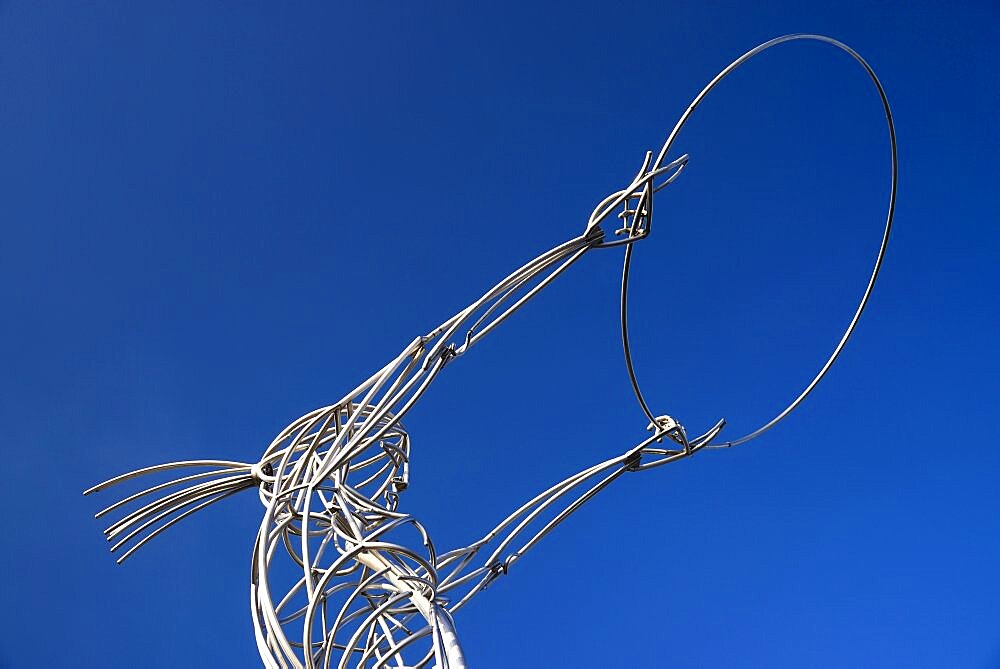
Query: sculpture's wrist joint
{"x": 666, "y": 426}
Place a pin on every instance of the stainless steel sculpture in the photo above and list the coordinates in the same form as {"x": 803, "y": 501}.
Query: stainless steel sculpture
{"x": 340, "y": 575}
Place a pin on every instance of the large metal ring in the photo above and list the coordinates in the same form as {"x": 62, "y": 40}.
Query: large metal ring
{"x": 878, "y": 258}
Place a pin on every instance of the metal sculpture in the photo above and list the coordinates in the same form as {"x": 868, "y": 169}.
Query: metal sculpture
{"x": 340, "y": 575}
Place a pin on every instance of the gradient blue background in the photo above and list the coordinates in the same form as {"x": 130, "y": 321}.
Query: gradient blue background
{"x": 189, "y": 193}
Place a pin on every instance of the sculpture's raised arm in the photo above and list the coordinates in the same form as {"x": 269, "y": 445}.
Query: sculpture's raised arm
{"x": 395, "y": 388}
{"x": 520, "y": 531}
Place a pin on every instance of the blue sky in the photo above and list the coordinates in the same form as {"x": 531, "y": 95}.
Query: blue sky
{"x": 189, "y": 192}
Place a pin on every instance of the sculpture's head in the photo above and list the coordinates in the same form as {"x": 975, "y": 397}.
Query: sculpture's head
{"x": 346, "y": 447}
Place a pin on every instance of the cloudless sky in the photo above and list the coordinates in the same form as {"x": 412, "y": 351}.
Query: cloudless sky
{"x": 190, "y": 193}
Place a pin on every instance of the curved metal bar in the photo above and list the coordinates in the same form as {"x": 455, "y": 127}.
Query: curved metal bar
{"x": 878, "y": 258}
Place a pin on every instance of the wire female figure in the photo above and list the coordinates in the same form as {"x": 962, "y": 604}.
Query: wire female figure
{"x": 340, "y": 576}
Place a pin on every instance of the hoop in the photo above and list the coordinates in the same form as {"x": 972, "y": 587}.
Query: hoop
{"x": 878, "y": 258}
